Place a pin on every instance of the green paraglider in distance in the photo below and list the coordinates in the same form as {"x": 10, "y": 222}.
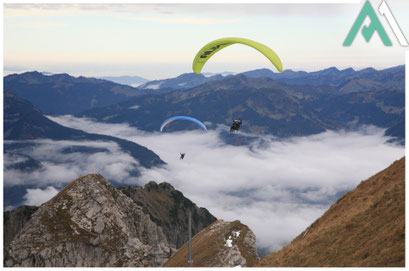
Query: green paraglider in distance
{"x": 211, "y": 48}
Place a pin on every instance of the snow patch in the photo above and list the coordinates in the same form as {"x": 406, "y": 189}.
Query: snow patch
{"x": 229, "y": 242}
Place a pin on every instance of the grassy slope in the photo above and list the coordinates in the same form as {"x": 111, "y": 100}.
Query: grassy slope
{"x": 365, "y": 227}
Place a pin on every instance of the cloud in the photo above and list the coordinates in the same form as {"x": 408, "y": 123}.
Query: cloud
{"x": 39, "y": 196}
{"x": 237, "y": 9}
{"x": 63, "y": 161}
{"x": 39, "y": 24}
{"x": 276, "y": 187}
{"x": 184, "y": 20}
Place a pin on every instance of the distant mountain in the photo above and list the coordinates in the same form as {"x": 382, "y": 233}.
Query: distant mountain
{"x": 345, "y": 81}
{"x": 222, "y": 244}
{"x": 364, "y": 228}
{"x": 23, "y": 123}
{"x": 397, "y": 132}
{"x": 168, "y": 208}
{"x": 184, "y": 81}
{"x": 88, "y": 224}
{"x": 133, "y": 81}
{"x": 381, "y": 108}
{"x": 64, "y": 94}
{"x": 265, "y": 105}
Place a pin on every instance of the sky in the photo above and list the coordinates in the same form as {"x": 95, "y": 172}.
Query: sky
{"x": 277, "y": 189}
{"x": 160, "y": 41}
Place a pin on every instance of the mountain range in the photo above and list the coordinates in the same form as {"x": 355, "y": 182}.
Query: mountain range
{"x": 184, "y": 81}
{"x": 267, "y": 106}
{"x": 347, "y": 80}
{"x": 65, "y": 94}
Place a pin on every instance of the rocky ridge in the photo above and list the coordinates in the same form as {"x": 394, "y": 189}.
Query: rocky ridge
{"x": 222, "y": 244}
{"x": 168, "y": 208}
{"x": 88, "y": 224}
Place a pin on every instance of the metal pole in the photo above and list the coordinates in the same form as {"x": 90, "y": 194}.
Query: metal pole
{"x": 190, "y": 260}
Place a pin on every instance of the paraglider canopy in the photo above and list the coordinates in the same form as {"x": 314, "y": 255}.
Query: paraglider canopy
{"x": 166, "y": 122}
{"x": 212, "y": 47}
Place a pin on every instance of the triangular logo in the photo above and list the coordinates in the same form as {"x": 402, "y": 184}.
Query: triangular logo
{"x": 367, "y": 31}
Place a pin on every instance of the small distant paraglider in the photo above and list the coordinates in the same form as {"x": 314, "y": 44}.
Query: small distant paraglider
{"x": 172, "y": 119}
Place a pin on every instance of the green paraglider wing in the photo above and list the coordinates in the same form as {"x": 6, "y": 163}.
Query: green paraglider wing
{"x": 212, "y": 47}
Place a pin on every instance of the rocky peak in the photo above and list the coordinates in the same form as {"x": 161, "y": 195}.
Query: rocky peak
{"x": 222, "y": 244}
{"x": 89, "y": 223}
{"x": 153, "y": 186}
{"x": 169, "y": 209}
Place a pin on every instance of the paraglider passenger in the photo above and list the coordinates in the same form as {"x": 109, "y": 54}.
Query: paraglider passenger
{"x": 235, "y": 126}
{"x": 182, "y": 155}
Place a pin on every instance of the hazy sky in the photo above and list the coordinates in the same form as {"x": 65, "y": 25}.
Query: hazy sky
{"x": 160, "y": 41}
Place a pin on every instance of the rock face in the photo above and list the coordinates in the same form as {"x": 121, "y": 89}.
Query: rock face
{"x": 222, "y": 244}
{"x": 168, "y": 208}
{"x": 89, "y": 223}
{"x": 364, "y": 228}
{"x": 15, "y": 220}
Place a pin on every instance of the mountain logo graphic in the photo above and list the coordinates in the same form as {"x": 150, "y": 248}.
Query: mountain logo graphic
{"x": 368, "y": 31}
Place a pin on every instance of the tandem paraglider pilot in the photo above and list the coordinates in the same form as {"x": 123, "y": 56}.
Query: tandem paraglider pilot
{"x": 235, "y": 126}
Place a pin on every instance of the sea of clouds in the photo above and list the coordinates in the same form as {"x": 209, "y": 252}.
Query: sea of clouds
{"x": 277, "y": 188}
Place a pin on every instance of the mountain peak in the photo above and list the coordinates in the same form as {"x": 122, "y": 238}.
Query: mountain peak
{"x": 89, "y": 223}
{"x": 330, "y": 70}
{"x": 86, "y": 182}
{"x": 153, "y": 186}
{"x": 349, "y": 70}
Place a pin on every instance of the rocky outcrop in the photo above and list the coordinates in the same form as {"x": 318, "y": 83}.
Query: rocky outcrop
{"x": 364, "y": 228}
{"x": 89, "y": 223}
{"x": 168, "y": 208}
{"x": 15, "y": 220}
{"x": 222, "y": 244}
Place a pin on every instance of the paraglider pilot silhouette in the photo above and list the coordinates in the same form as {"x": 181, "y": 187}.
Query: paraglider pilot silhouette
{"x": 235, "y": 126}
